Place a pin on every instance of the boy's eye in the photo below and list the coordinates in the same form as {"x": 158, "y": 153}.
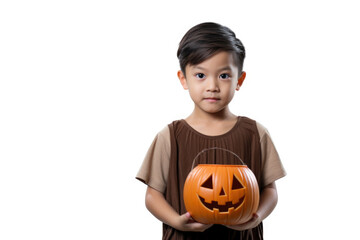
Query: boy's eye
{"x": 224, "y": 76}
{"x": 200, "y": 75}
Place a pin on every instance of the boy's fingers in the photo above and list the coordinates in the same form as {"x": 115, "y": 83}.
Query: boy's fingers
{"x": 254, "y": 218}
{"x": 193, "y": 225}
{"x": 199, "y": 227}
{"x": 185, "y": 217}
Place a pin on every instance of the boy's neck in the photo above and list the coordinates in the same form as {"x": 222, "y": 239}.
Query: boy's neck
{"x": 212, "y": 123}
{"x": 223, "y": 115}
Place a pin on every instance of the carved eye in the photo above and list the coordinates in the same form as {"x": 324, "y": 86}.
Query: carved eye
{"x": 236, "y": 184}
{"x": 208, "y": 183}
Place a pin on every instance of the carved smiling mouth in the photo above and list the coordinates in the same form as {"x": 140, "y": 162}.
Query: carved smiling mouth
{"x": 222, "y": 208}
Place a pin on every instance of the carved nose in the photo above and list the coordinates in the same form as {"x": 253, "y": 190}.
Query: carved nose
{"x": 222, "y": 193}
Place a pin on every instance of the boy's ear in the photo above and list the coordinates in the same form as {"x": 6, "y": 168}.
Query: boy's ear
{"x": 240, "y": 80}
{"x": 182, "y": 79}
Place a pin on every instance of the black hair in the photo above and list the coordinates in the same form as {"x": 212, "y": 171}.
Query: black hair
{"x": 207, "y": 39}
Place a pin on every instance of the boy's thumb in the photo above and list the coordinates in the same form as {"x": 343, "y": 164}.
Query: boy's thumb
{"x": 186, "y": 217}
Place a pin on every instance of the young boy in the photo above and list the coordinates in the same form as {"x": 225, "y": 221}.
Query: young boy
{"x": 211, "y": 61}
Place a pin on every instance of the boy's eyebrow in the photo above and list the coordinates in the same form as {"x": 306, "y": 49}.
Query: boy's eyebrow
{"x": 225, "y": 68}
{"x": 197, "y": 67}
{"x": 221, "y": 69}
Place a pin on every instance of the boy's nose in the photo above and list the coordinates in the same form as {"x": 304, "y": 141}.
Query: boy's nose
{"x": 212, "y": 85}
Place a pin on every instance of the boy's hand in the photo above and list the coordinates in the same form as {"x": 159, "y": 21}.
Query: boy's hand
{"x": 187, "y": 223}
{"x": 160, "y": 208}
{"x": 248, "y": 225}
{"x": 268, "y": 200}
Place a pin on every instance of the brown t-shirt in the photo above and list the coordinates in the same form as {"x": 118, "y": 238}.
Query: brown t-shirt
{"x": 175, "y": 149}
{"x": 155, "y": 167}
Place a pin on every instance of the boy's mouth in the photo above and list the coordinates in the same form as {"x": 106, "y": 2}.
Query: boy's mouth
{"x": 212, "y": 99}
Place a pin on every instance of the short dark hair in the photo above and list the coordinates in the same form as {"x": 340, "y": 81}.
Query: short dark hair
{"x": 207, "y": 39}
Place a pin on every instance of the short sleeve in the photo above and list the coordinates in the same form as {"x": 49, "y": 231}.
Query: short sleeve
{"x": 272, "y": 168}
{"x": 155, "y": 167}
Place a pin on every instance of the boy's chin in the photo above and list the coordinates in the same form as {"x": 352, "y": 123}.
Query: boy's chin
{"x": 213, "y": 110}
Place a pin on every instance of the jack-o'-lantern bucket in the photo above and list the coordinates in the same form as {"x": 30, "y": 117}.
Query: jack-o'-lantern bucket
{"x": 221, "y": 194}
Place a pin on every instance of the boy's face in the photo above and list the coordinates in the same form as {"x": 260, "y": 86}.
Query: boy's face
{"x": 212, "y": 83}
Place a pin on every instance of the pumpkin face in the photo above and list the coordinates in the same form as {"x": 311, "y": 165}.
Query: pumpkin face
{"x": 221, "y": 194}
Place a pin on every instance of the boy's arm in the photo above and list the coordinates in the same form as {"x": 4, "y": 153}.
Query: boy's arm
{"x": 161, "y": 209}
{"x": 268, "y": 201}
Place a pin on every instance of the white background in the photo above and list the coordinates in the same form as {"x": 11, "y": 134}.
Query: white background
{"x": 86, "y": 85}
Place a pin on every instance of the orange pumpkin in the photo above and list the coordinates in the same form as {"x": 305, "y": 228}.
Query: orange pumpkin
{"x": 221, "y": 194}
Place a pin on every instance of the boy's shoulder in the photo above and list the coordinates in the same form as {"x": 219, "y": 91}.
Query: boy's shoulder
{"x": 261, "y": 129}
{"x": 255, "y": 126}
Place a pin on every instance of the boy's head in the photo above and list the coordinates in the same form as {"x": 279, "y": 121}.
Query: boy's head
{"x": 207, "y": 39}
